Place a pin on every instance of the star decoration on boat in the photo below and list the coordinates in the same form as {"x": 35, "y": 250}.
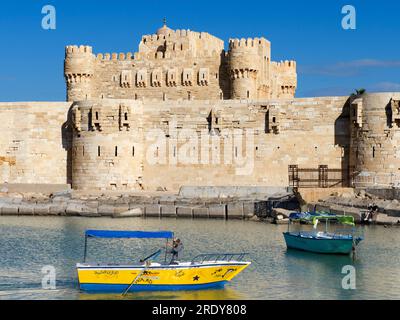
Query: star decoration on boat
{"x": 196, "y": 278}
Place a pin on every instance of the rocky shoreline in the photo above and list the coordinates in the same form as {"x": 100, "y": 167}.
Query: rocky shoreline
{"x": 163, "y": 204}
{"x": 353, "y": 203}
{"x": 69, "y": 203}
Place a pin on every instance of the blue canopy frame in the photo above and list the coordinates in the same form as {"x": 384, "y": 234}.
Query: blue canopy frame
{"x": 114, "y": 234}
{"x": 129, "y": 234}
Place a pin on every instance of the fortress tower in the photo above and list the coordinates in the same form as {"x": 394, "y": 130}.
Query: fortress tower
{"x": 283, "y": 80}
{"x": 375, "y": 139}
{"x": 106, "y": 145}
{"x": 180, "y": 65}
{"x": 79, "y": 71}
{"x": 249, "y": 68}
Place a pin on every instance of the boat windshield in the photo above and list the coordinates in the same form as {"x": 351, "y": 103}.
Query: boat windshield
{"x": 311, "y": 217}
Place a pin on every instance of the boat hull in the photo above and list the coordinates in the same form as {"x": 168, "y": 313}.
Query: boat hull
{"x": 157, "y": 278}
{"x": 318, "y": 245}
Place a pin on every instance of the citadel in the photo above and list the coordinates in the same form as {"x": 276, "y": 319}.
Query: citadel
{"x": 183, "y": 111}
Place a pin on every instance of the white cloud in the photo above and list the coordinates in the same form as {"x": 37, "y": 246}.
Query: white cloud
{"x": 348, "y": 68}
{"x": 385, "y": 86}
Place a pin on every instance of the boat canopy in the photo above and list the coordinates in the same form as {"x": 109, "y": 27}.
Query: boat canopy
{"x": 128, "y": 234}
{"x": 311, "y": 217}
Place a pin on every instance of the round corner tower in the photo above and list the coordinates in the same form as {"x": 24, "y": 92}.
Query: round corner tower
{"x": 106, "y": 145}
{"x": 78, "y": 72}
{"x": 249, "y": 61}
{"x": 375, "y": 139}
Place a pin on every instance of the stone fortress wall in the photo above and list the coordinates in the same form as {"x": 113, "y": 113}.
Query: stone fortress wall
{"x": 180, "y": 64}
{"x": 128, "y": 144}
{"x": 375, "y": 139}
{"x": 34, "y": 142}
{"x": 111, "y": 144}
{"x": 184, "y": 112}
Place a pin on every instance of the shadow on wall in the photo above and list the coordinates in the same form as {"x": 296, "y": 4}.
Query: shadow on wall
{"x": 342, "y": 139}
{"x": 66, "y": 134}
{"x": 389, "y": 115}
{"x": 223, "y": 77}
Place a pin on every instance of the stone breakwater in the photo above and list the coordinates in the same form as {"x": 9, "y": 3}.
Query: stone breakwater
{"x": 127, "y": 205}
{"x": 353, "y": 203}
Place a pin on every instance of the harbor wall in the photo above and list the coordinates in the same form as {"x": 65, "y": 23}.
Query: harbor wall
{"x": 137, "y": 145}
{"x": 34, "y": 142}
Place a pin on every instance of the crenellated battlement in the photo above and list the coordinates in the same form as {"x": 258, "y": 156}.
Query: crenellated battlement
{"x": 78, "y": 49}
{"x": 248, "y": 43}
{"x": 122, "y": 56}
{"x": 284, "y": 66}
{"x": 180, "y": 64}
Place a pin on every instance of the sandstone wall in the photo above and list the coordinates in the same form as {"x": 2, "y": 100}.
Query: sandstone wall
{"x": 243, "y": 145}
{"x": 198, "y": 143}
{"x": 33, "y": 142}
{"x": 107, "y": 145}
{"x": 375, "y": 139}
{"x": 180, "y": 64}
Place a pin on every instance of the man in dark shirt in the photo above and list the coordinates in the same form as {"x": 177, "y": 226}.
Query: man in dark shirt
{"x": 177, "y": 247}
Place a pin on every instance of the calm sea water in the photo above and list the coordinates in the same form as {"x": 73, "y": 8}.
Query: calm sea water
{"x": 29, "y": 243}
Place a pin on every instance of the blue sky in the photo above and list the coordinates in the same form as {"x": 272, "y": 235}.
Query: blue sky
{"x": 330, "y": 60}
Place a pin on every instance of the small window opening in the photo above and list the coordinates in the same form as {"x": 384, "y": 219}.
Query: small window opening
{"x": 98, "y": 151}
{"x": 116, "y": 151}
{"x": 266, "y": 122}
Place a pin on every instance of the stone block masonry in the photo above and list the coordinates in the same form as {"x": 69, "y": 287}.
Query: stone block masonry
{"x": 183, "y": 112}
{"x": 34, "y": 143}
{"x": 134, "y": 145}
{"x": 128, "y": 145}
{"x": 180, "y": 64}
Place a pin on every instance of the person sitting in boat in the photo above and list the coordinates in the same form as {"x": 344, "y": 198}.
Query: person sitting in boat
{"x": 373, "y": 209}
{"x": 177, "y": 247}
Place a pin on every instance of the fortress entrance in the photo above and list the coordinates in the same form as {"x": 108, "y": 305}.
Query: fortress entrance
{"x": 321, "y": 177}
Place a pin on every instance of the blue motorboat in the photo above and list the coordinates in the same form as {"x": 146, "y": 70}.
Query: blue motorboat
{"x": 338, "y": 242}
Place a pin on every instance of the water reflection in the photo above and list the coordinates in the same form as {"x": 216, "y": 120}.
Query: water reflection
{"x": 29, "y": 243}
{"x": 220, "y": 294}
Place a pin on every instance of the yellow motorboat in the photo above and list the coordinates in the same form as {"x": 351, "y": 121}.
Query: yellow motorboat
{"x": 202, "y": 272}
